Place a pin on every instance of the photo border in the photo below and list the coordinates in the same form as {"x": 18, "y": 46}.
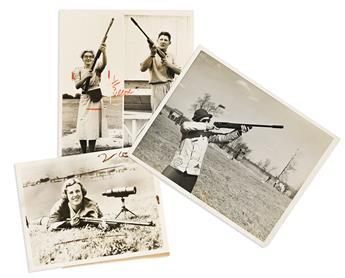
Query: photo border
{"x": 122, "y": 14}
{"x": 163, "y": 251}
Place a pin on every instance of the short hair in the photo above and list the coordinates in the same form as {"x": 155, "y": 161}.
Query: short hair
{"x": 163, "y": 33}
{"x": 71, "y": 182}
{"x": 86, "y": 51}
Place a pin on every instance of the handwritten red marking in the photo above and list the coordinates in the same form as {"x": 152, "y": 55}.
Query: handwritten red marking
{"x": 115, "y": 83}
{"x": 72, "y": 75}
{"x": 124, "y": 92}
{"x": 106, "y": 157}
{"x": 108, "y": 74}
{"x": 117, "y": 92}
{"x": 93, "y": 109}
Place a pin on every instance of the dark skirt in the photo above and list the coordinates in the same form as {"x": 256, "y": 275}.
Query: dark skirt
{"x": 184, "y": 180}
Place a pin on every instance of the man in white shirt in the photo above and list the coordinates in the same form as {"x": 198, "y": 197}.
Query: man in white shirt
{"x": 162, "y": 69}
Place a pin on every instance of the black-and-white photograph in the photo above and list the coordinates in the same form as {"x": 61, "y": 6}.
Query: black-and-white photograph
{"x": 90, "y": 73}
{"x": 232, "y": 147}
{"x": 90, "y": 208}
{"x": 157, "y": 46}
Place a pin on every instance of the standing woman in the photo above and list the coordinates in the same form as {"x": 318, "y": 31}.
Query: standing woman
{"x": 91, "y": 123}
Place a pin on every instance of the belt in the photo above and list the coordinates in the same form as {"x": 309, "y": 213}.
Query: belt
{"x": 83, "y": 92}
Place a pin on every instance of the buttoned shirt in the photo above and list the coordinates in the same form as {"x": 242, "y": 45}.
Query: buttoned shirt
{"x": 193, "y": 146}
{"x": 95, "y": 79}
{"x": 62, "y": 211}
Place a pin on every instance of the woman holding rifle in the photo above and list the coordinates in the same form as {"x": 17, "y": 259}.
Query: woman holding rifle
{"x": 91, "y": 123}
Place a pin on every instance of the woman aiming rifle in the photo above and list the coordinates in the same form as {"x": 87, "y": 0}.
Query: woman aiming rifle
{"x": 90, "y": 120}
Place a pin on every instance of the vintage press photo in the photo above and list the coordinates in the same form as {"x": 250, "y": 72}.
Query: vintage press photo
{"x": 114, "y": 69}
{"x": 89, "y": 208}
{"x": 232, "y": 147}
{"x": 89, "y": 122}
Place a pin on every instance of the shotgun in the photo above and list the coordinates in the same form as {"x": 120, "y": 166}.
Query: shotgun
{"x": 159, "y": 52}
{"x": 98, "y": 54}
{"x": 238, "y": 125}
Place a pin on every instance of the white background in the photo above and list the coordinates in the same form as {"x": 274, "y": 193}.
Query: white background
{"x": 295, "y": 49}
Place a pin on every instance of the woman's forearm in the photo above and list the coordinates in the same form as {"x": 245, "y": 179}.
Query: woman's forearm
{"x": 104, "y": 60}
{"x": 79, "y": 83}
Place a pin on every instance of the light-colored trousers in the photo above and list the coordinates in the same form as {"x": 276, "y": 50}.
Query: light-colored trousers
{"x": 158, "y": 93}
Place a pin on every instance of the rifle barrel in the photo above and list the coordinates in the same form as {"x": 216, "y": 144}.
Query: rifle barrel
{"x": 136, "y": 24}
{"x": 159, "y": 51}
{"x": 98, "y": 54}
{"x": 271, "y": 126}
{"x": 106, "y": 33}
{"x": 238, "y": 125}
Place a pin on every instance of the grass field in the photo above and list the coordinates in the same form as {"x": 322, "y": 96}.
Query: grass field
{"x": 114, "y": 110}
{"x": 70, "y": 113}
{"x": 225, "y": 185}
{"x": 90, "y": 243}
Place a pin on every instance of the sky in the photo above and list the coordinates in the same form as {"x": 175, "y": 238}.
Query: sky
{"x": 37, "y": 200}
{"x": 69, "y": 165}
{"x": 246, "y": 103}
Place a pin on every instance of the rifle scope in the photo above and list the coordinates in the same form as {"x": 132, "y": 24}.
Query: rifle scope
{"x": 120, "y": 192}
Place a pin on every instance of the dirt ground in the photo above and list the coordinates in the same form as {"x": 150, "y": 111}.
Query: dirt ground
{"x": 70, "y": 144}
{"x": 224, "y": 184}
